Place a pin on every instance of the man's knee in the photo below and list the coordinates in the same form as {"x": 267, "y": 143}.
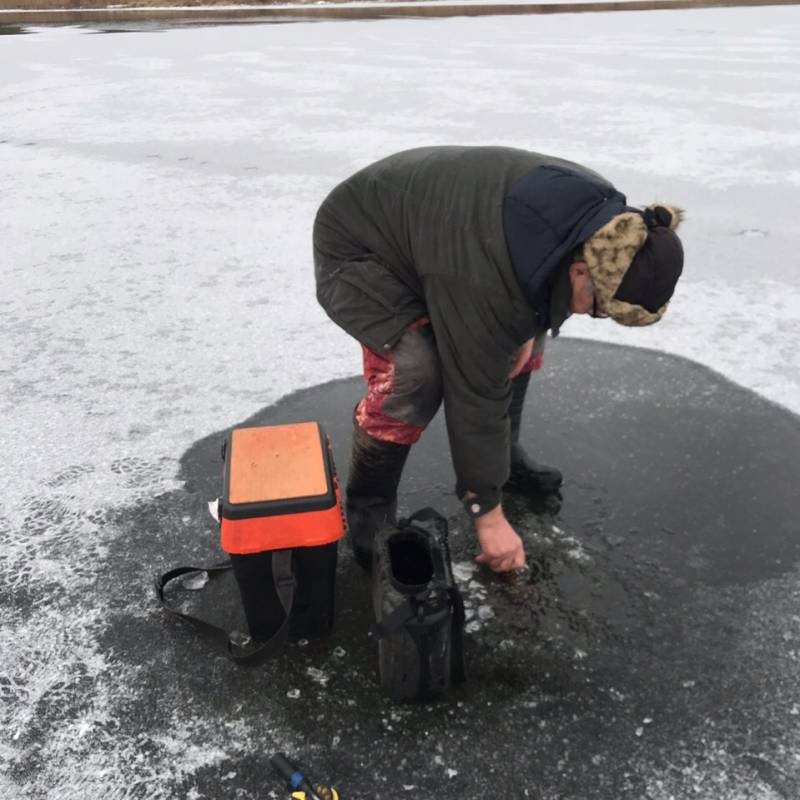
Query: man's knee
{"x": 417, "y": 392}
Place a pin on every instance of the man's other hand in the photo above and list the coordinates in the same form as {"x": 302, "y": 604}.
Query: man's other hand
{"x": 501, "y": 547}
{"x": 522, "y": 358}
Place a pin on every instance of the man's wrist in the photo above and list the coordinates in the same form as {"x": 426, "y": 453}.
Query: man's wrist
{"x": 482, "y": 505}
{"x": 490, "y": 518}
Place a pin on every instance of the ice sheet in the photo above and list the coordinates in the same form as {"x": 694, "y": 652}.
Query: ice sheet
{"x": 158, "y": 191}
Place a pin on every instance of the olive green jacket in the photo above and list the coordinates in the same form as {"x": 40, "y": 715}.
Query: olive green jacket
{"x": 421, "y": 234}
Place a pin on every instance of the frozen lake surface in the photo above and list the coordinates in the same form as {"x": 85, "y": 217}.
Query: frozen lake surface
{"x": 158, "y": 191}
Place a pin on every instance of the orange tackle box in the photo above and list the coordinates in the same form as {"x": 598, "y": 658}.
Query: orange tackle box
{"x": 281, "y": 520}
{"x": 280, "y": 489}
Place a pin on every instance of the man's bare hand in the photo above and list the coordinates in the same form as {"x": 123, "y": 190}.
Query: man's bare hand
{"x": 522, "y": 358}
{"x": 501, "y": 547}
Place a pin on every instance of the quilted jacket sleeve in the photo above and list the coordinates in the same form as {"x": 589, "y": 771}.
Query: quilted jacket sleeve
{"x": 476, "y": 354}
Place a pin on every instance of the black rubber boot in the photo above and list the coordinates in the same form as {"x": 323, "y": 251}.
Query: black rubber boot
{"x": 526, "y": 475}
{"x": 375, "y": 471}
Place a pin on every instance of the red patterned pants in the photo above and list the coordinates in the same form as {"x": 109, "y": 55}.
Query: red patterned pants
{"x": 404, "y": 386}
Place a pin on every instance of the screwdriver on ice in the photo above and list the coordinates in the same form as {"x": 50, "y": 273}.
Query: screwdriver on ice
{"x": 297, "y": 780}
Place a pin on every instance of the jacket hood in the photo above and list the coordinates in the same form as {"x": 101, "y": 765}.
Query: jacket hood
{"x": 547, "y": 214}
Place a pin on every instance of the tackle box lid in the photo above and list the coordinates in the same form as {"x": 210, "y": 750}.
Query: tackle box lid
{"x": 277, "y": 469}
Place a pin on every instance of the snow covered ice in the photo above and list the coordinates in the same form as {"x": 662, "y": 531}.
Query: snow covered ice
{"x": 158, "y": 193}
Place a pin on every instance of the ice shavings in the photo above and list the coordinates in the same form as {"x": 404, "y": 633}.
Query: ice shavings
{"x": 44, "y": 665}
{"x": 473, "y": 626}
{"x": 570, "y": 548}
{"x": 195, "y": 580}
{"x": 476, "y": 610}
{"x": 463, "y": 571}
{"x": 318, "y": 676}
{"x": 62, "y": 706}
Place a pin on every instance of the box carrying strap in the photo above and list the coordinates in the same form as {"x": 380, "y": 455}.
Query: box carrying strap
{"x": 284, "y": 581}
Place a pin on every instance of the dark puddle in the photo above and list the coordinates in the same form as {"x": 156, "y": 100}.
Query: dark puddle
{"x": 680, "y": 503}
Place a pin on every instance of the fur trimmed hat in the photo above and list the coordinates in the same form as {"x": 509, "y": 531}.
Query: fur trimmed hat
{"x": 634, "y": 263}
